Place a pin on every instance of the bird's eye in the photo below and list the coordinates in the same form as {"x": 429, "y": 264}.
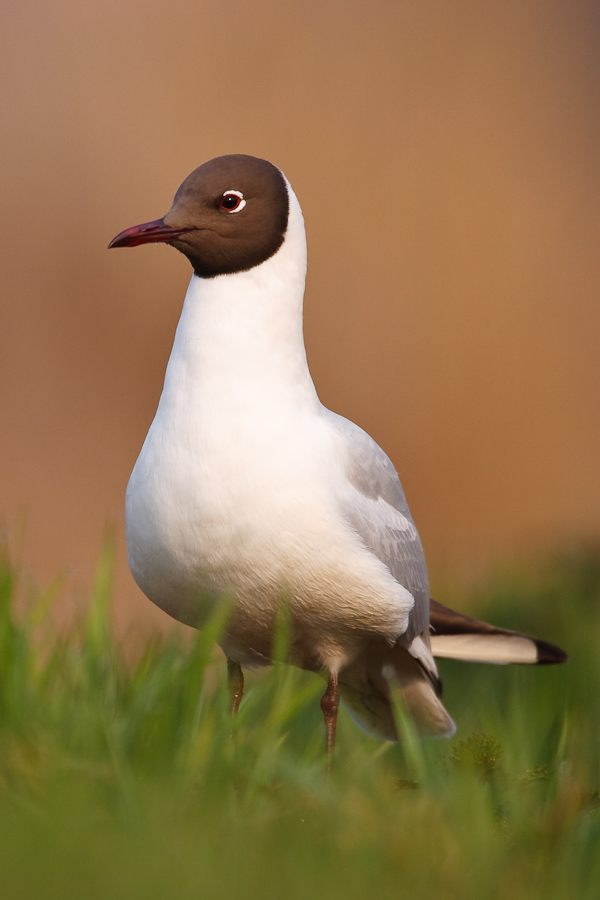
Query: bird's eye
{"x": 232, "y": 201}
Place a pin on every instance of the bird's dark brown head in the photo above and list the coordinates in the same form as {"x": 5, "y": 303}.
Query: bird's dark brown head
{"x": 228, "y": 216}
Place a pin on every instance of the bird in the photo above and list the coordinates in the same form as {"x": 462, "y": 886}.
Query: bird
{"x": 247, "y": 487}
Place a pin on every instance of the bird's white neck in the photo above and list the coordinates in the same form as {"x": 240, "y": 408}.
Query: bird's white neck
{"x": 240, "y": 336}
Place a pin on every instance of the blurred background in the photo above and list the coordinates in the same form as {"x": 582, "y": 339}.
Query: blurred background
{"x": 446, "y": 158}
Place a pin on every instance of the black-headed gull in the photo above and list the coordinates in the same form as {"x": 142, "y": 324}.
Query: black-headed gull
{"x": 248, "y": 487}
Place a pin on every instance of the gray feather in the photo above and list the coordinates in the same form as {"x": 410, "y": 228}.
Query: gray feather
{"x": 378, "y": 511}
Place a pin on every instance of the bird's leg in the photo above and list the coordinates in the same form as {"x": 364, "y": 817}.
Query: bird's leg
{"x": 330, "y": 702}
{"x": 235, "y": 680}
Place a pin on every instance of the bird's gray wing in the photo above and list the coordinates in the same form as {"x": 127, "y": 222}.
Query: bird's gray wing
{"x": 376, "y": 507}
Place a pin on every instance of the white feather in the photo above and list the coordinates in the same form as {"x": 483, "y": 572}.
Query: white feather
{"x": 487, "y": 648}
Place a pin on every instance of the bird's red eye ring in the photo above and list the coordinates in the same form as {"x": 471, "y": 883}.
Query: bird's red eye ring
{"x": 232, "y": 201}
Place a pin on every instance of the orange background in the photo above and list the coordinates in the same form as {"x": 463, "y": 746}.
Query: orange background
{"x": 446, "y": 158}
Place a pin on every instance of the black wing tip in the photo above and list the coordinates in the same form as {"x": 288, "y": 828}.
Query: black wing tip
{"x": 549, "y": 654}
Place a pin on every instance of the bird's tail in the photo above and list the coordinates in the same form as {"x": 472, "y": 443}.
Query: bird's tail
{"x": 366, "y": 684}
{"x": 456, "y": 636}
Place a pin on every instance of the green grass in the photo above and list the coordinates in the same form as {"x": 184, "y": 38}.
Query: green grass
{"x": 129, "y": 779}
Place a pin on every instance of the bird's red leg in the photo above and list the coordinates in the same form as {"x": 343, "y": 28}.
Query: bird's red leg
{"x": 330, "y": 702}
{"x": 235, "y": 680}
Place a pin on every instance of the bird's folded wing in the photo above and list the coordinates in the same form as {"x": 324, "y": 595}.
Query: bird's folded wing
{"x": 376, "y": 508}
{"x": 456, "y": 636}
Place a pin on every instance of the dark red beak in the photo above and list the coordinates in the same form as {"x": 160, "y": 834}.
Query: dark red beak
{"x": 149, "y": 233}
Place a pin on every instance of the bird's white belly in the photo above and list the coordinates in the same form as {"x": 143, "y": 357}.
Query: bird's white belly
{"x": 210, "y": 517}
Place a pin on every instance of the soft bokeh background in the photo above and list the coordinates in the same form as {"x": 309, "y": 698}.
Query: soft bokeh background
{"x": 446, "y": 158}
